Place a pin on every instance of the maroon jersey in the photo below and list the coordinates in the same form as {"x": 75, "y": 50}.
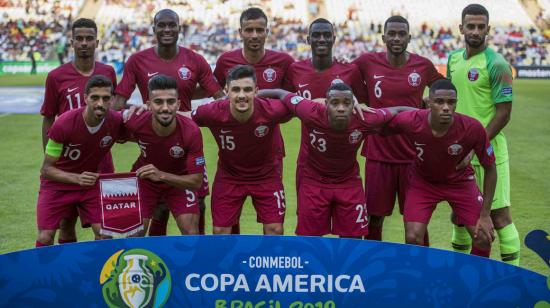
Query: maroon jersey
{"x": 388, "y": 86}
{"x": 246, "y": 153}
{"x": 83, "y": 150}
{"x": 270, "y": 71}
{"x": 65, "y": 88}
{"x": 179, "y": 153}
{"x": 188, "y": 68}
{"x": 303, "y": 79}
{"x": 329, "y": 156}
{"x": 437, "y": 157}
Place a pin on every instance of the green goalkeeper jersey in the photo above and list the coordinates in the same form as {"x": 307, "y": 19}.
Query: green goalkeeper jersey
{"x": 481, "y": 82}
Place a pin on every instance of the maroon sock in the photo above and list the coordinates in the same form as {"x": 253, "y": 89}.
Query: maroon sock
{"x": 236, "y": 229}
{"x": 375, "y": 233}
{"x": 39, "y": 244}
{"x": 201, "y": 223}
{"x": 62, "y": 241}
{"x": 476, "y": 251}
{"x": 426, "y": 239}
{"x": 158, "y": 226}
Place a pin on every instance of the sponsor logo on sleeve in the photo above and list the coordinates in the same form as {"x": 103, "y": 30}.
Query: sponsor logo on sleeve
{"x": 296, "y": 99}
{"x": 506, "y": 91}
{"x": 200, "y": 161}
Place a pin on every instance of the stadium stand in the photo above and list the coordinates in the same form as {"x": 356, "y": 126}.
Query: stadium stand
{"x": 210, "y": 27}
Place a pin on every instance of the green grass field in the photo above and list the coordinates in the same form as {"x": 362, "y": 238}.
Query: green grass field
{"x": 528, "y": 132}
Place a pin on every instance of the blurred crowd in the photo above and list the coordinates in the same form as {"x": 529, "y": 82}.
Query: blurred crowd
{"x": 48, "y": 38}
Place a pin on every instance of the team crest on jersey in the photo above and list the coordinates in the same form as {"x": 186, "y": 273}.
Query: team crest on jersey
{"x": 261, "y": 131}
{"x": 414, "y": 79}
{"x": 184, "y": 73}
{"x": 176, "y": 151}
{"x": 335, "y": 81}
{"x": 269, "y": 74}
{"x": 454, "y": 149}
{"x": 105, "y": 141}
{"x": 355, "y": 137}
{"x": 473, "y": 74}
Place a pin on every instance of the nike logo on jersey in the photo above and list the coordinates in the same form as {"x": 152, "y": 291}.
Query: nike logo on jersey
{"x": 419, "y": 144}
{"x": 152, "y": 74}
{"x": 71, "y": 90}
{"x": 223, "y": 131}
{"x": 364, "y": 226}
{"x": 281, "y": 213}
{"x": 74, "y": 145}
{"x": 318, "y": 132}
{"x": 378, "y": 76}
{"x": 302, "y": 85}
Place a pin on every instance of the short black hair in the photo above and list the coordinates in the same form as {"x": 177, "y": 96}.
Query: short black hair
{"x": 442, "y": 84}
{"x": 84, "y": 23}
{"x": 162, "y": 82}
{"x": 240, "y": 72}
{"x": 475, "y": 9}
{"x": 98, "y": 81}
{"x": 252, "y": 13}
{"x": 339, "y": 86}
{"x": 396, "y": 18}
{"x": 165, "y": 11}
{"x": 320, "y": 21}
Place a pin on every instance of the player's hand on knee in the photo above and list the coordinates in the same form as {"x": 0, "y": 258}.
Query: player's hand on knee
{"x": 466, "y": 161}
{"x": 360, "y": 108}
{"x": 87, "y": 178}
{"x": 149, "y": 172}
{"x": 485, "y": 228}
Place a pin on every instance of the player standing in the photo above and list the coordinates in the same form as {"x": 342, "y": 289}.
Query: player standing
{"x": 244, "y": 128}
{"x": 330, "y": 192}
{"x": 311, "y": 78}
{"x": 77, "y": 143}
{"x": 484, "y": 82}
{"x": 270, "y": 66}
{"x": 393, "y": 78}
{"x": 171, "y": 163}
{"x": 184, "y": 65}
{"x": 65, "y": 90}
{"x": 443, "y": 139}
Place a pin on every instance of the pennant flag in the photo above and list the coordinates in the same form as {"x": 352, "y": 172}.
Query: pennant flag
{"x": 120, "y": 204}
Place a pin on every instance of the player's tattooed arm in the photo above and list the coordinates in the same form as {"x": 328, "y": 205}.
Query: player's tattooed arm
{"x": 47, "y": 122}
{"x": 50, "y": 172}
{"x": 484, "y": 225}
{"x": 187, "y": 181}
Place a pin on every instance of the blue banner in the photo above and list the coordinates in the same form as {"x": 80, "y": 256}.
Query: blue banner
{"x": 258, "y": 271}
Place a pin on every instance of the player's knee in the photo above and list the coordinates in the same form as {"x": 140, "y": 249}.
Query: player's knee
{"x": 190, "y": 229}
{"x": 501, "y": 218}
{"x": 221, "y": 230}
{"x": 414, "y": 238}
{"x": 46, "y": 237}
{"x": 273, "y": 229}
